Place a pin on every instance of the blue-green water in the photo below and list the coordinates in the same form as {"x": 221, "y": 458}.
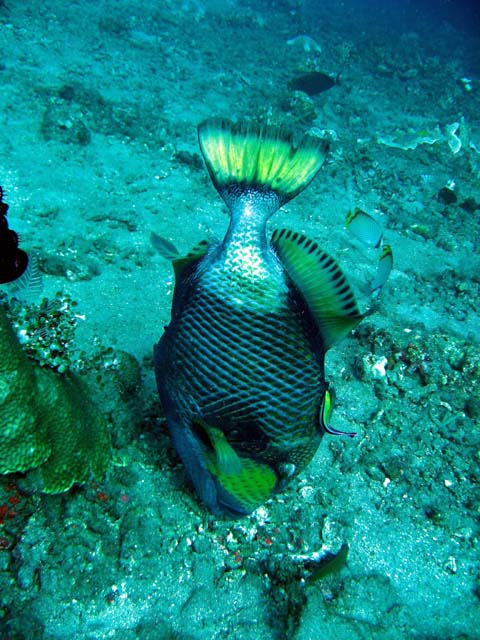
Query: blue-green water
{"x": 99, "y": 107}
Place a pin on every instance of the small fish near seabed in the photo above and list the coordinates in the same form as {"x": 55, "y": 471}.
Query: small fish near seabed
{"x": 240, "y": 367}
{"x": 314, "y": 82}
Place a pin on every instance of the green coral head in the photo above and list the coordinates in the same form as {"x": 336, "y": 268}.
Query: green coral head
{"x": 47, "y": 420}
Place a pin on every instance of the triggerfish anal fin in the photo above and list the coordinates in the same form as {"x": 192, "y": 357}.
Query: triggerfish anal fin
{"x": 322, "y": 284}
{"x": 247, "y": 481}
{"x": 259, "y": 156}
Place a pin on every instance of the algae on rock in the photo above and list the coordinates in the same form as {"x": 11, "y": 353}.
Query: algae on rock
{"x": 48, "y": 422}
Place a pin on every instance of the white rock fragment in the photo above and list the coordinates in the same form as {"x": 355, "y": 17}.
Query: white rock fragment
{"x": 453, "y": 139}
{"x": 306, "y": 43}
{"x": 376, "y": 367}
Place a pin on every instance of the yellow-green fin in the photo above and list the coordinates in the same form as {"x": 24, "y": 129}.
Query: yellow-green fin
{"x": 321, "y": 282}
{"x": 259, "y": 156}
{"x": 227, "y": 460}
{"x": 248, "y": 481}
{"x": 251, "y": 487}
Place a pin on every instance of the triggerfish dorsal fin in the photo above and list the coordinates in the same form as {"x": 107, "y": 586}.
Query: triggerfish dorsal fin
{"x": 182, "y": 265}
{"x": 322, "y": 284}
{"x": 250, "y": 156}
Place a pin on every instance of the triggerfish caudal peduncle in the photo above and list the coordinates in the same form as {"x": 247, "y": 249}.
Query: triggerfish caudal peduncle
{"x": 240, "y": 367}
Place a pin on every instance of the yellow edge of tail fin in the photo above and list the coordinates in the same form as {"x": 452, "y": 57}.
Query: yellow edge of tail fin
{"x": 262, "y": 156}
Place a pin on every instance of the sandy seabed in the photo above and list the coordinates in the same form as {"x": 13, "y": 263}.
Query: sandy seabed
{"x": 99, "y": 107}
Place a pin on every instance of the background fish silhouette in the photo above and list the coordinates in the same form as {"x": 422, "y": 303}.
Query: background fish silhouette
{"x": 240, "y": 367}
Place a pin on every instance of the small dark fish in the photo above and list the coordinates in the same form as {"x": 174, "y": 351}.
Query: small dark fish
{"x": 13, "y": 261}
{"x": 314, "y": 83}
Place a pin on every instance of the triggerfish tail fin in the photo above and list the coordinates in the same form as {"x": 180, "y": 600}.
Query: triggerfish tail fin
{"x": 249, "y": 156}
{"x": 322, "y": 284}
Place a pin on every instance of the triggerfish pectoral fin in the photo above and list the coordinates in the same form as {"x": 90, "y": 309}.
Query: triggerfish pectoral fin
{"x": 227, "y": 459}
{"x": 321, "y": 282}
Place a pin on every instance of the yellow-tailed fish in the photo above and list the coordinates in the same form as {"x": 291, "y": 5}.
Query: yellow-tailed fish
{"x": 385, "y": 266}
{"x": 364, "y": 227}
{"x": 240, "y": 367}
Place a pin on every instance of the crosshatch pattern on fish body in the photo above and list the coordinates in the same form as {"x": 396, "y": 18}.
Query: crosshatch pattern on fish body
{"x": 240, "y": 367}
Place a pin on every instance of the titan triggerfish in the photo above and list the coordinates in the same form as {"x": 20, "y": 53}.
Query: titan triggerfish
{"x": 240, "y": 367}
